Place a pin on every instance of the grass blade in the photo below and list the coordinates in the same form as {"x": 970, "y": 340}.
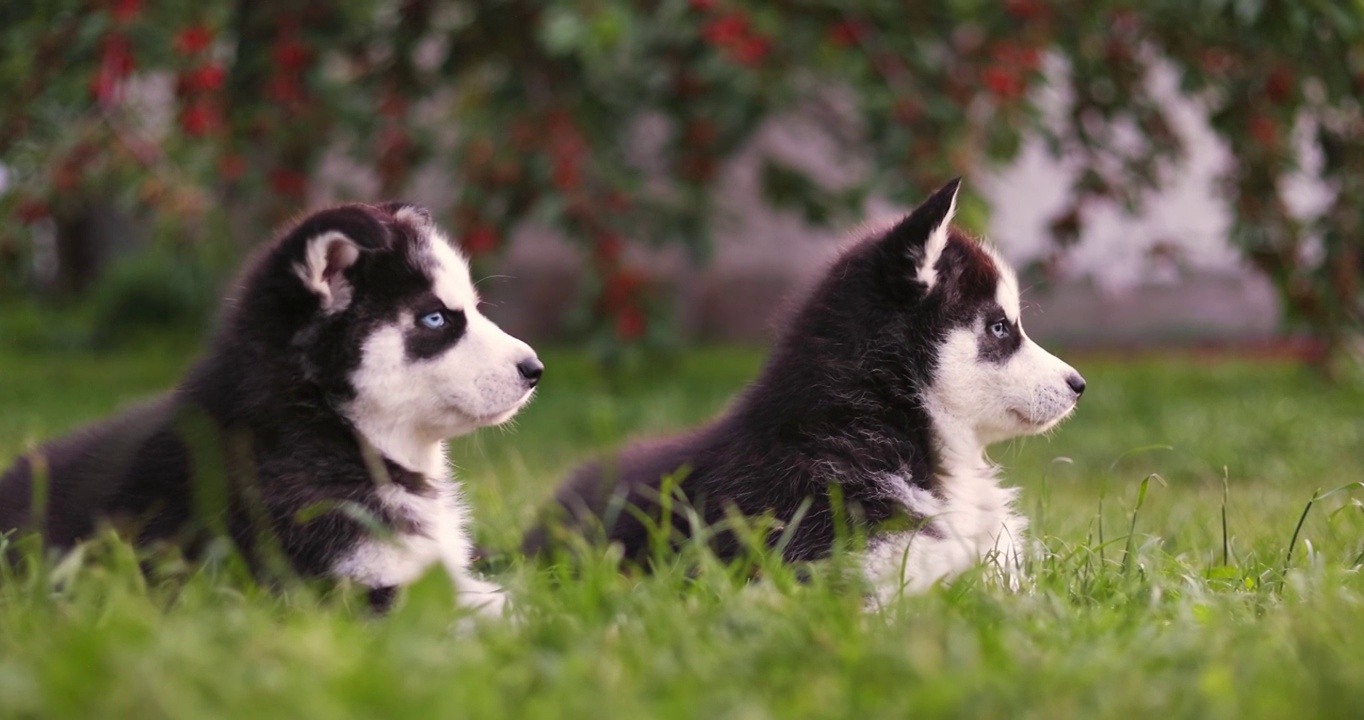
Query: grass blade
{"x": 1132, "y": 529}
{"x": 1318, "y": 495}
{"x": 1226, "y": 544}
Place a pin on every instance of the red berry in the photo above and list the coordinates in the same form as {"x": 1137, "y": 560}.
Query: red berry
{"x": 126, "y": 10}
{"x": 118, "y": 55}
{"x": 1026, "y": 9}
{"x": 116, "y": 63}
{"x": 631, "y": 324}
{"x": 1014, "y": 55}
{"x": 481, "y": 240}
{"x": 193, "y": 39}
{"x": 845, "y": 34}
{"x": 1002, "y": 82}
{"x": 750, "y": 51}
{"x": 621, "y": 288}
{"x": 1279, "y": 85}
{"x": 31, "y": 211}
{"x": 102, "y": 87}
{"x": 566, "y": 175}
{"x": 607, "y": 248}
{"x": 283, "y": 88}
{"x": 1264, "y": 131}
{"x": 288, "y": 182}
{"x": 289, "y": 53}
{"x": 205, "y": 79}
{"x": 199, "y": 119}
{"x": 725, "y": 30}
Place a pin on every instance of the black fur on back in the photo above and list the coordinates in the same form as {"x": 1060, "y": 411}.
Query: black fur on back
{"x": 251, "y": 442}
{"x": 838, "y": 403}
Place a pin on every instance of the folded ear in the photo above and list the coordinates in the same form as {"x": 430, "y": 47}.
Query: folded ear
{"x": 410, "y": 213}
{"x": 922, "y": 236}
{"x": 326, "y": 243}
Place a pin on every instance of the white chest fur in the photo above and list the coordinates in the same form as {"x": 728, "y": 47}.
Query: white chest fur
{"x": 972, "y": 520}
{"x": 439, "y": 536}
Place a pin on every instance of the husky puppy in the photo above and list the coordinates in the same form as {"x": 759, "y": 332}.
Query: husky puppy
{"x": 312, "y": 431}
{"x": 905, "y": 362}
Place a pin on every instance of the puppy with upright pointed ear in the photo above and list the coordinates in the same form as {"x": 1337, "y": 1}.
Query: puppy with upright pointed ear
{"x": 922, "y": 236}
{"x": 887, "y": 384}
{"x": 312, "y": 431}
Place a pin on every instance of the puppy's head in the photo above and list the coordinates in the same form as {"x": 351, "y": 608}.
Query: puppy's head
{"x": 940, "y": 312}
{"x": 988, "y": 372}
{"x": 376, "y": 304}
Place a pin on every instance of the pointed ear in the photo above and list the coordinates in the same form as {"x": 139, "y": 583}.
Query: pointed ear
{"x": 326, "y": 243}
{"x": 922, "y": 236}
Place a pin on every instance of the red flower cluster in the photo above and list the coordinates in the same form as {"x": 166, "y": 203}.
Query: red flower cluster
{"x": 1003, "y": 82}
{"x": 1265, "y": 132}
{"x": 847, "y": 33}
{"x": 1279, "y": 85}
{"x": 289, "y": 53}
{"x": 199, "y": 118}
{"x": 288, "y": 182}
{"x": 1027, "y": 9}
{"x": 567, "y": 150}
{"x": 115, "y": 64}
{"x": 631, "y": 324}
{"x": 125, "y": 10}
{"x": 620, "y": 298}
{"x": 206, "y": 78}
{"x": 197, "y": 87}
{"x": 291, "y": 56}
{"x": 32, "y": 210}
{"x": 732, "y": 34}
{"x": 607, "y": 248}
{"x": 696, "y": 158}
{"x": 1006, "y": 77}
{"x": 481, "y": 240}
{"x": 193, "y": 40}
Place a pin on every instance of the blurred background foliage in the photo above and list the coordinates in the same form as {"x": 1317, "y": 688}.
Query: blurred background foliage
{"x": 191, "y": 129}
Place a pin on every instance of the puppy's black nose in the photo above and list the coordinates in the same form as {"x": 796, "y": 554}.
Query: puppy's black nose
{"x": 1077, "y": 384}
{"x": 531, "y": 369}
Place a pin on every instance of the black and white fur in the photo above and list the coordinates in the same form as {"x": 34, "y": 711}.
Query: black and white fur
{"x": 353, "y": 347}
{"x": 889, "y": 382}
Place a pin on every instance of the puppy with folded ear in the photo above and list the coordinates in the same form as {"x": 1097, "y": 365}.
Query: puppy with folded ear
{"x": 313, "y": 429}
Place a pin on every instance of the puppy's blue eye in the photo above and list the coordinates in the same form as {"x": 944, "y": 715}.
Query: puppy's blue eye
{"x": 435, "y": 320}
{"x": 1000, "y": 329}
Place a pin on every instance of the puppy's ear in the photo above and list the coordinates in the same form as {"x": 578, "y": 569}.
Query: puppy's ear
{"x": 326, "y": 243}
{"x": 922, "y": 236}
{"x": 409, "y": 213}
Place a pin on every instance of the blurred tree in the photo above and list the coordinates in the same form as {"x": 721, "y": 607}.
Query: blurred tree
{"x": 535, "y": 109}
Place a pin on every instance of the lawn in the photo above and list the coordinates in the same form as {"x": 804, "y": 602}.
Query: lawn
{"x": 1160, "y": 622}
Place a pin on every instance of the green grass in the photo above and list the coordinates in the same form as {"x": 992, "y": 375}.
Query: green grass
{"x": 1170, "y": 628}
